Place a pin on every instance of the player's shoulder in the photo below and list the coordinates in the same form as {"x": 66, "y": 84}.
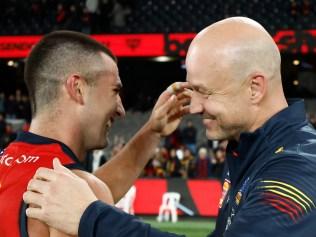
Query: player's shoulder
{"x": 100, "y": 189}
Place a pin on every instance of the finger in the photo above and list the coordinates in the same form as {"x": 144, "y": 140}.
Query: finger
{"x": 188, "y": 92}
{"x": 176, "y": 87}
{"x": 59, "y": 167}
{"x": 183, "y": 95}
{"x": 185, "y": 110}
{"x": 184, "y": 101}
{"x": 163, "y": 110}
{"x": 34, "y": 212}
{"x": 37, "y": 185}
{"x": 33, "y": 198}
{"x": 179, "y": 106}
{"x": 179, "y": 114}
{"x": 45, "y": 174}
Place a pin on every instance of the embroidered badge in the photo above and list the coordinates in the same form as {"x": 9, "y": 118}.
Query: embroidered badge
{"x": 226, "y": 187}
{"x": 287, "y": 198}
{"x": 241, "y": 191}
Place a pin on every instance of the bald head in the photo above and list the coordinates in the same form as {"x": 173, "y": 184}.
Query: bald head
{"x": 233, "y": 67}
{"x": 237, "y": 43}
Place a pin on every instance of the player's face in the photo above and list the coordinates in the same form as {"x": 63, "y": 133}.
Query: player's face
{"x": 104, "y": 104}
{"x": 222, "y": 100}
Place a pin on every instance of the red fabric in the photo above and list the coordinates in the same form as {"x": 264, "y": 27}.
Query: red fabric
{"x": 294, "y": 205}
{"x": 18, "y": 164}
{"x": 149, "y": 195}
{"x": 284, "y": 205}
{"x": 282, "y": 209}
{"x": 206, "y": 195}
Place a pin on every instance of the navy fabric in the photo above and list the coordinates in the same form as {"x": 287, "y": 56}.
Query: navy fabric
{"x": 270, "y": 186}
{"x": 272, "y": 173}
{"x": 103, "y": 220}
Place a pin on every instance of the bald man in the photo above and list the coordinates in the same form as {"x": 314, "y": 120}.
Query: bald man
{"x": 233, "y": 68}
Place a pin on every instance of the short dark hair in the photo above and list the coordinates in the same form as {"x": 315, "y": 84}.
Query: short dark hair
{"x": 56, "y": 56}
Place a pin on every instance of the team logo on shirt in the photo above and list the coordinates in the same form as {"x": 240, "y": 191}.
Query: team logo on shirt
{"x": 279, "y": 150}
{"x": 286, "y": 198}
{"x": 8, "y": 160}
{"x": 226, "y": 187}
{"x": 238, "y": 197}
{"x": 241, "y": 191}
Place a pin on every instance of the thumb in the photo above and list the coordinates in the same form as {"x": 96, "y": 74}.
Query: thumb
{"x": 59, "y": 167}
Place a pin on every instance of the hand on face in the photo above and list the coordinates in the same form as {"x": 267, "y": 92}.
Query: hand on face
{"x": 171, "y": 106}
{"x": 58, "y": 197}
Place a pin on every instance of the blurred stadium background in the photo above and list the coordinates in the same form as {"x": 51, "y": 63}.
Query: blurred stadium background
{"x": 150, "y": 39}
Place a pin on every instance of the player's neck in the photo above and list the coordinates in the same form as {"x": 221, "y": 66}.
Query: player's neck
{"x": 60, "y": 130}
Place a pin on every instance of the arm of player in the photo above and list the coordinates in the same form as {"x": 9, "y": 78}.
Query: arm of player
{"x": 99, "y": 188}
{"x": 61, "y": 198}
{"x": 58, "y": 197}
{"x": 122, "y": 170}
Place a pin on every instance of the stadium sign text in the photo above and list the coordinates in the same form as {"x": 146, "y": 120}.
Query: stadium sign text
{"x": 153, "y": 45}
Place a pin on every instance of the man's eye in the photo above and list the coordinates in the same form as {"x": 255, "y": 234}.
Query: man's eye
{"x": 204, "y": 94}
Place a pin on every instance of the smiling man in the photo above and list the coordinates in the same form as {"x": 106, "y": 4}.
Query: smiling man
{"x": 233, "y": 68}
{"x": 74, "y": 84}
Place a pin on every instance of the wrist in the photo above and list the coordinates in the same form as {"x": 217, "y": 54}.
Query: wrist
{"x": 151, "y": 131}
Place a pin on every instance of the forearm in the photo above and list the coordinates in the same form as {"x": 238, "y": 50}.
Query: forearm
{"x": 122, "y": 170}
{"x": 100, "y": 220}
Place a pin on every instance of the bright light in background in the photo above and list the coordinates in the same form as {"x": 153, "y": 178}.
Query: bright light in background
{"x": 295, "y": 82}
{"x": 163, "y": 59}
{"x": 10, "y": 63}
{"x": 296, "y": 62}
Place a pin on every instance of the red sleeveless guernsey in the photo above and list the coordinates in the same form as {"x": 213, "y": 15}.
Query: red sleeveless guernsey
{"x": 18, "y": 163}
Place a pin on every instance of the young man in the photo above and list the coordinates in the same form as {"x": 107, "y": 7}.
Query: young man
{"x": 233, "y": 67}
{"x": 73, "y": 82}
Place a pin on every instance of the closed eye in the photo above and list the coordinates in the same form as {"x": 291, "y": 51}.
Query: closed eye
{"x": 117, "y": 90}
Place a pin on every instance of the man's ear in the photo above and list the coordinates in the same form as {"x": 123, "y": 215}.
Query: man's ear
{"x": 258, "y": 88}
{"x": 75, "y": 88}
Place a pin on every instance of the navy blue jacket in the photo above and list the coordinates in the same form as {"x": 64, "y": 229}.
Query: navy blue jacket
{"x": 270, "y": 188}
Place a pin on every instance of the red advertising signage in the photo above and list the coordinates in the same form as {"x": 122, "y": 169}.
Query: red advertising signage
{"x": 152, "y": 45}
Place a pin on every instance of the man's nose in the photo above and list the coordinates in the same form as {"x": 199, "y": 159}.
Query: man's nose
{"x": 120, "y": 111}
{"x": 196, "y": 105}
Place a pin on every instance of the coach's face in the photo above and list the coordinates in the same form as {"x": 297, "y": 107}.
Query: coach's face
{"x": 220, "y": 97}
{"x": 103, "y": 105}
